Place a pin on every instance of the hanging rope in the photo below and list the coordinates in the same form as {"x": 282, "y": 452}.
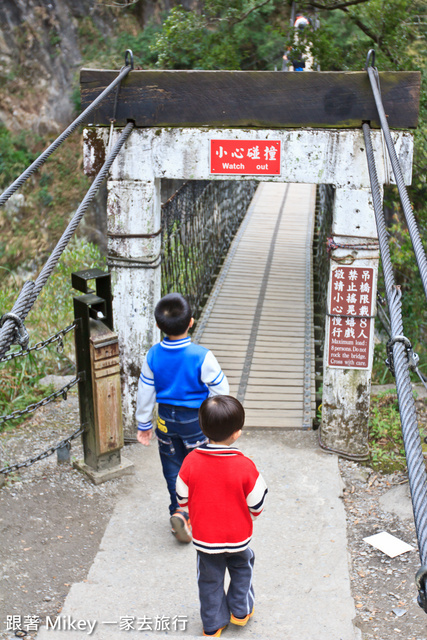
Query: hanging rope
{"x": 398, "y": 349}
{"x": 31, "y": 290}
{"x": 400, "y": 182}
{"x": 68, "y": 131}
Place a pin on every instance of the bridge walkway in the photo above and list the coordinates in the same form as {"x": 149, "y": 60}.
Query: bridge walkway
{"x": 258, "y": 318}
{"x": 141, "y": 574}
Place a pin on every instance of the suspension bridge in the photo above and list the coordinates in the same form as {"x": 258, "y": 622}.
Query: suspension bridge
{"x": 259, "y": 317}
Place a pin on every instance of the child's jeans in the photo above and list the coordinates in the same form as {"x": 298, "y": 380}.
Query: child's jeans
{"x": 215, "y": 605}
{"x": 178, "y": 432}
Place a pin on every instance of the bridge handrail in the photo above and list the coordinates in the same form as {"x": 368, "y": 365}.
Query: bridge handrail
{"x": 400, "y": 182}
{"x": 401, "y": 364}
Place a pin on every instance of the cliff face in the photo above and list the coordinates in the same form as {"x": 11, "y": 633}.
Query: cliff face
{"x": 40, "y": 54}
{"x": 41, "y": 44}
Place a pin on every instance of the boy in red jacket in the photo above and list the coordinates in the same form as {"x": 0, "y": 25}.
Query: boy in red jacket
{"x": 223, "y": 492}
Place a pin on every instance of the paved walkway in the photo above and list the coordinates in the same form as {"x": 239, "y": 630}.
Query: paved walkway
{"x": 141, "y": 574}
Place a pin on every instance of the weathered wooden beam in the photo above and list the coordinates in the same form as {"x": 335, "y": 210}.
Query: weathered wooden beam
{"x": 255, "y": 99}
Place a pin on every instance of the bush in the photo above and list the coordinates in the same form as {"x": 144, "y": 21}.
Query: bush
{"x": 385, "y": 434}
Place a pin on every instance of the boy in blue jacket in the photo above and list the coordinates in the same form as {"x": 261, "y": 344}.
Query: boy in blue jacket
{"x": 179, "y": 375}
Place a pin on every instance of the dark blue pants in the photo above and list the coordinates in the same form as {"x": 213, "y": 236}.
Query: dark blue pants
{"x": 216, "y": 605}
{"x": 178, "y": 432}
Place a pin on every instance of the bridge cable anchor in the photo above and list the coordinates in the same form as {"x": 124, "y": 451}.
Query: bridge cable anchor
{"x": 129, "y": 56}
{"x": 370, "y": 58}
{"x": 21, "y": 334}
{"x": 413, "y": 357}
{"x": 420, "y": 582}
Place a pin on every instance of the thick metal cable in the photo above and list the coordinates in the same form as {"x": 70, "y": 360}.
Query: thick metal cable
{"x": 65, "y": 134}
{"x": 404, "y": 198}
{"x": 31, "y": 290}
{"x": 411, "y": 438}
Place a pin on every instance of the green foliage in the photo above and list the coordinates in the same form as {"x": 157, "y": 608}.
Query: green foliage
{"x": 414, "y": 309}
{"x": 107, "y": 51}
{"x": 387, "y": 453}
{"x": 396, "y": 29}
{"x": 223, "y": 35}
{"x": 140, "y": 44}
{"x": 52, "y": 311}
{"x": 413, "y": 304}
{"x": 15, "y": 155}
{"x": 51, "y": 196}
{"x": 57, "y": 295}
{"x": 92, "y": 41}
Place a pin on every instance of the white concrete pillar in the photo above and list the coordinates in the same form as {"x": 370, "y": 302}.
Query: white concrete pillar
{"x": 134, "y": 244}
{"x": 346, "y": 391}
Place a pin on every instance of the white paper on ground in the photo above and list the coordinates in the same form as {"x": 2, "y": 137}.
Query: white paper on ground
{"x": 388, "y": 544}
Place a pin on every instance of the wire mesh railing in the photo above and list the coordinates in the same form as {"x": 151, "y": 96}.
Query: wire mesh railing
{"x": 198, "y": 224}
{"x": 322, "y": 231}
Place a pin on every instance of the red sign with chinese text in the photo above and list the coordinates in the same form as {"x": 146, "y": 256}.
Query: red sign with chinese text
{"x": 350, "y": 324}
{"x": 246, "y": 157}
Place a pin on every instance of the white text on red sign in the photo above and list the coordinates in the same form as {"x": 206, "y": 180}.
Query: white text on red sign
{"x": 350, "y": 321}
{"x": 245, "y": 157}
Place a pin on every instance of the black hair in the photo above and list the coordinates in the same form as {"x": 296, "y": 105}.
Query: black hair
{"x": 173, "y": 314}
{"x": 220, "y": 417}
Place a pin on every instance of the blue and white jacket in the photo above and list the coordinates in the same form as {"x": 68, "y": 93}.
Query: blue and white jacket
{"x": 180, "y": 373}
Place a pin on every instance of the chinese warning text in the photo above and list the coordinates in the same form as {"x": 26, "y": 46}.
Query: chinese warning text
{"x": 350, "y": 317}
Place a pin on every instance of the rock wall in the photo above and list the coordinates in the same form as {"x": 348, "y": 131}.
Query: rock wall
{"x": 39, "y": 56}
{"x": 40, "y": 53}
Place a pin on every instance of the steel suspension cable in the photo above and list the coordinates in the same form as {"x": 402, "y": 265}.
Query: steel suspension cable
{"x": 65, "y": 134}
{"x": 31, "y": 290}
{"x": 411, "y": 438}
{"x": 400, "y": 182}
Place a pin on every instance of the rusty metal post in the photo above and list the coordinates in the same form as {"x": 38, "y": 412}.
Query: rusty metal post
{"x": 97, "y": 354}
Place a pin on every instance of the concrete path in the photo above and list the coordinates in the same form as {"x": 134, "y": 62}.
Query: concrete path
{"x": 301, "y": 572}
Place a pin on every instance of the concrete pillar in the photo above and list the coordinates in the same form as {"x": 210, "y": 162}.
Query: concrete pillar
{"x": 134, "y": 245}
{"x": 346, "y": 392}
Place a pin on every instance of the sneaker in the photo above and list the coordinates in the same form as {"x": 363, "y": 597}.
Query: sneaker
{"x": 241, "y": 621}
{"x": 181, "y": 527}
{"x": 215, "y": 634}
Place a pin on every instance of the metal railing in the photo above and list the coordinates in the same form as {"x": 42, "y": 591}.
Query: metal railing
{"x": 198, "y": 224}
{"x": 322, "y": 231}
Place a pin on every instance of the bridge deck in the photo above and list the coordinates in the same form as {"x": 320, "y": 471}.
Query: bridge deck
{"x": 256, "y": 321}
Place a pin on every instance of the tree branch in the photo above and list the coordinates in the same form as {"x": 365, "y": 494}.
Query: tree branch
{"x": 122, "y": 5}
{"x": 337, "y": 5}
{"x": 243, "y": 17}
{"x": 371, "y": 35}
{"x": 343, "y": 6}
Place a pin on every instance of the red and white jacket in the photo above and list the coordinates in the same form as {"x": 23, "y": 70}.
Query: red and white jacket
{"x": 223, "y": 492}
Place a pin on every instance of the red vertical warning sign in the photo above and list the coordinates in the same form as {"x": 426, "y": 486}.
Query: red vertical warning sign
{"x": 245, "y": 157}
{"x": 350, "y": 322}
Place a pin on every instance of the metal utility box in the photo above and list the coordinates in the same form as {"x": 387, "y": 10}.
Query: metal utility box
{"x": 98, "y": 365}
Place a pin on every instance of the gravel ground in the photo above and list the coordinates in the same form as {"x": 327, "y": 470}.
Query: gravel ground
{"x": 52, "y": 521}
{"x": 51, "y": 518}
{"x": 383, "y": 588}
